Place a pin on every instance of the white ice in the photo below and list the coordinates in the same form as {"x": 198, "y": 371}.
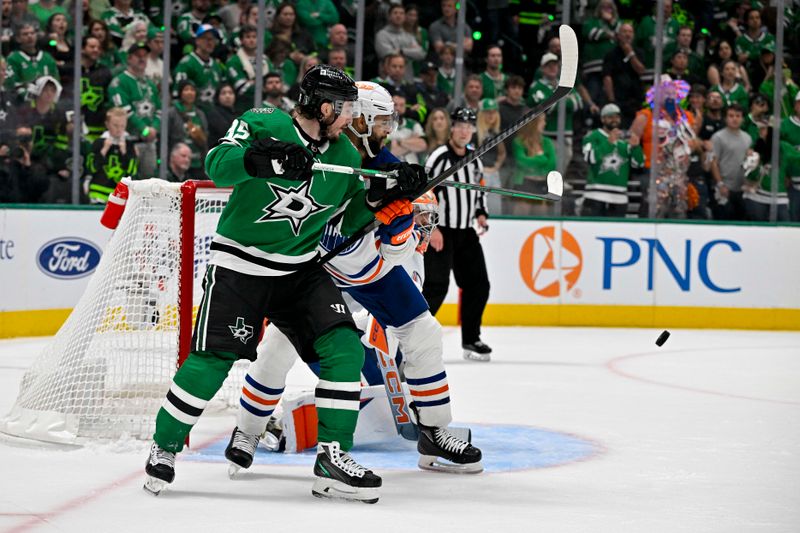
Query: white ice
{"x": 701, "y": 435}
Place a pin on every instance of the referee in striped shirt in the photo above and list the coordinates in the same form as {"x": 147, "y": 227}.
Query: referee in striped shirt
{"x": 454, "y": 243}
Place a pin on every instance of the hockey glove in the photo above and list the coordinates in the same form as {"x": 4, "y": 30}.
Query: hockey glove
{"x": 395, "y": 209}
{"x": 397, "y": 231}
{"x": 268, "y": 158}
{"x": 410, "y": 178}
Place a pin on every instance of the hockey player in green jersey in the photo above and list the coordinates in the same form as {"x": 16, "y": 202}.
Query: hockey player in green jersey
{"x": 263, "y": 264}
{"x": 610, "y": 159}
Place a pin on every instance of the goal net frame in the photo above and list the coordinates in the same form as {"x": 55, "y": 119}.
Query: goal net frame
{"x": 135, "y": 317}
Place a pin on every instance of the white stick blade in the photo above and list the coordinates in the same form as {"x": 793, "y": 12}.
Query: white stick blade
{"x": 555, "y": 184}
{"x": 569, "y": 56}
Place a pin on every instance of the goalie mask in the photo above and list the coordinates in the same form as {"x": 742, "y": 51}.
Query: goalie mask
{"x": 426, "y": 218}
{"x": 377, "y": 109}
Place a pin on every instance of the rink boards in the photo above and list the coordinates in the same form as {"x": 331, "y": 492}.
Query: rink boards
{"x": 542, "y": 272}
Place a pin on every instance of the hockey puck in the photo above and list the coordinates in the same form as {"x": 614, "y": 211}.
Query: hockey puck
{"x": 662, "y": 338}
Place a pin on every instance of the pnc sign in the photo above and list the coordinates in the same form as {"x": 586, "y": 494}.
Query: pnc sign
{"x": 538, "y": 266}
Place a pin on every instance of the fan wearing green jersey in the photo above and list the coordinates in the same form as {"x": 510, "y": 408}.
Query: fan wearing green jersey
{"x": 264, "y": 264}
{"x": 610, "y": 159}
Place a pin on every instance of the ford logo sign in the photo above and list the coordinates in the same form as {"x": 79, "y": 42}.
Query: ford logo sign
{"x": 68, "y": 258}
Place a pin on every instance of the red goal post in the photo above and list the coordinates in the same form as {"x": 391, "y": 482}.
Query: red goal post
{"x": 106, "y": 371}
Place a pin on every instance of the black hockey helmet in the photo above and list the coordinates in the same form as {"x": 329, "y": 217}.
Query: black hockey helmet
{"x": 324, "y": 83}
{"x": 464, "y": 114}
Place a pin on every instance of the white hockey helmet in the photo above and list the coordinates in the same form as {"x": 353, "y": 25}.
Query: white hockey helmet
{"x": 374, "y": 101}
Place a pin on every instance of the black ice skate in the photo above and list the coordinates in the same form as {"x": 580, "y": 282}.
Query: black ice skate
{"x": 442, "y": 451}
{"x": 240, "y": 451}
{"x": 160, "y": 469}
{"x": 339, "y": 476}
{"x": 477, "y": 351}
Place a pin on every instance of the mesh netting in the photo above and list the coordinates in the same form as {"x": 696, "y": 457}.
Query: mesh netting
{"x": 106, "y": 371}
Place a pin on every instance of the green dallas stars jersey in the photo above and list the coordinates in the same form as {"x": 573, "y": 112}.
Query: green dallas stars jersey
{"x": 493, "y": 87}
{"x": 206, "y": 75}
{"x": 23, "y": 69}
{"x": 241, "y": 70}
{"x": 609, "y": 167}
{"x": 790, "y": 131}
{"x": 762, "y": 175}
{"x": 752, "y": 47}
{"x": 736, "y": 95}
{"x": 271, "y": 227}
{"x": 599, "y": 38}
{"x": 540, "y": 91}
{"x": 140, "y": 98}
{"x": 645, "y": 39}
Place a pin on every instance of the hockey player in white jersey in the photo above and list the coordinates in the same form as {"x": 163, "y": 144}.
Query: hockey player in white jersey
{"x": 370, "y": 273}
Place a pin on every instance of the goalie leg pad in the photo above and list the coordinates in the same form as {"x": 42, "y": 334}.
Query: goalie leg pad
{"x": 421, "y": 343}
{"x": 265, "y": 381}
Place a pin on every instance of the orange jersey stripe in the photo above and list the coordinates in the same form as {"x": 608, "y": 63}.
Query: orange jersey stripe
{"x": 433, "y": 392}
{"x": 257, "y": 399}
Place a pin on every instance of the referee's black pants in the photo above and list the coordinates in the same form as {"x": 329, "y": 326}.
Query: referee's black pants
{"x": 462, "y": 253}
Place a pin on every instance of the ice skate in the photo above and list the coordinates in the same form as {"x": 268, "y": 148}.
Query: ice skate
{"x": 160, "y": 470}
{"x": 240, "y": 451}
{"x": 442, "y": 451}
{"x": 477, "y": 351}
{"x": 340, "y": 477}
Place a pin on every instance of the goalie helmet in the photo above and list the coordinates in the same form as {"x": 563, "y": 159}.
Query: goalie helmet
{"x": 426, "y": 215}
{"x": 325, "y": 83}
{"x": 374, "y": 101}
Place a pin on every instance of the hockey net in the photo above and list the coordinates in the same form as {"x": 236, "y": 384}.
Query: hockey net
{"x": 105, "y": 373}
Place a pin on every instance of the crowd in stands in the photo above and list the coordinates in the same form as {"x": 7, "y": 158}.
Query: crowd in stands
{"x": 713, "y": 143}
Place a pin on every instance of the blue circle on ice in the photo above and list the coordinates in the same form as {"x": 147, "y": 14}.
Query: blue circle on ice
{"x": 505, "y": 448}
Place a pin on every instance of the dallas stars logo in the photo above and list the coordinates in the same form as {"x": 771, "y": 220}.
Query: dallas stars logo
{"x": 293, "y": 204}
{"x": 241, "y": 331}
{"x": 612, "y": 162}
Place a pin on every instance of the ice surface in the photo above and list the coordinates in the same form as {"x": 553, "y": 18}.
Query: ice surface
{"x": 599, "y": 430}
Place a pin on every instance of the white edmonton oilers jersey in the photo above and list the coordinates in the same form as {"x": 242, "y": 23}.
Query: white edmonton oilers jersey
{"x": 356, "y": 265}
{"x": 364, "y": 262}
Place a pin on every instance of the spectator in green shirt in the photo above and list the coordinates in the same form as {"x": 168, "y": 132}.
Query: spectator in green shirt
{"x": 316, "y": 16}
{"x": 535, "y": 156}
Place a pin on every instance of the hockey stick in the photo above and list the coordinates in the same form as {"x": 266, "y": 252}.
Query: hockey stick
{"x": 385, "y": 347}
{"x": 555, "y": 183}
{"x": 569, "y": 68}
{"x": 555, "y": 188}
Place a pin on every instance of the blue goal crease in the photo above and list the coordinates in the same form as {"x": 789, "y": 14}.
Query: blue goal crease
{"x": 505, "y": 448}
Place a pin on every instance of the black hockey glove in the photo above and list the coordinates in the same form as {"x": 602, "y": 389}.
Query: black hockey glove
{"x": 294, "y": 160}
{"x": 410, "y": 179}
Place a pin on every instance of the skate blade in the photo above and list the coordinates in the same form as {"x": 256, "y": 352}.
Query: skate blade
{"x": 336, "y": 490}
{"x": 437, "y": 464}
{"x": 480, "y": 357}
{"x": 233, "y": 469}
{"x": 154, "y": 486}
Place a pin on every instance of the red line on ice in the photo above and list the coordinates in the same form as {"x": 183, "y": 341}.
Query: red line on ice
{"x": 613, "y": 366}
{"x": 38, "y": 519}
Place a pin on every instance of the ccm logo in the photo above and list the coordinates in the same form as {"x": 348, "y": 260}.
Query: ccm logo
{"x": 68, "y": 258}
